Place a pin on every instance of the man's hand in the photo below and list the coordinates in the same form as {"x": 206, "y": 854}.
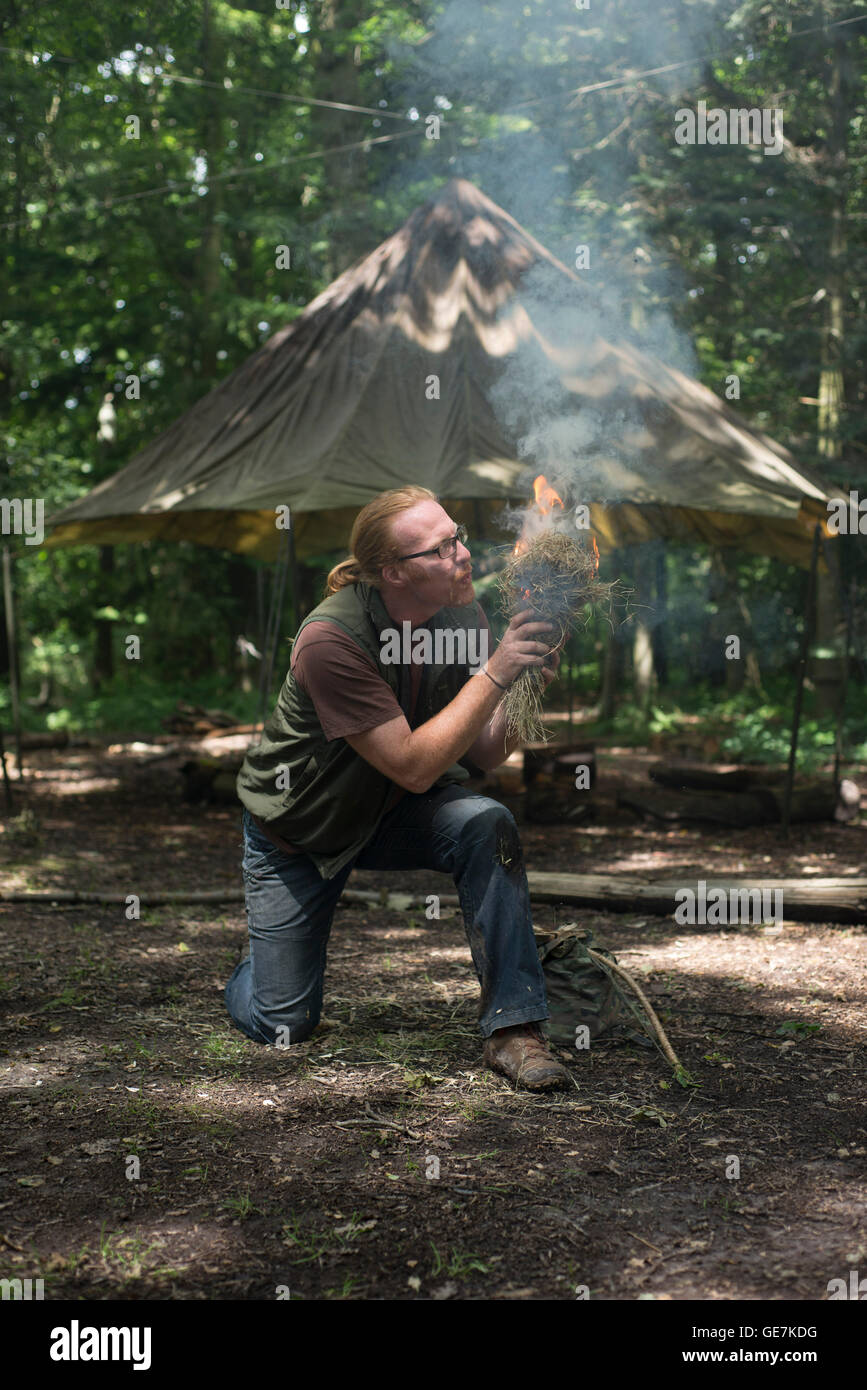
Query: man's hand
{"x": 492, "y": 747}
{"x": 522, "y": 645}
{"x": 552, "y": 662}
{"x": 549, "y": 670}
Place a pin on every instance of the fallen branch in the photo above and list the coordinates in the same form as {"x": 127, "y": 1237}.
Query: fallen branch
{"x": 608, "y": 964}
{"x": 378, "y": 1123}
{"x": 209, "y": 895}
{"x": 806, "y": 900}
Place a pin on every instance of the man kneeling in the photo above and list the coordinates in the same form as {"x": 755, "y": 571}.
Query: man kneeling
{"x": 358, "y": 766}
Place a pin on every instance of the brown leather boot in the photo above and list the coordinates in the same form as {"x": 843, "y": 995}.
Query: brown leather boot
{"x": 521, "y": 1054}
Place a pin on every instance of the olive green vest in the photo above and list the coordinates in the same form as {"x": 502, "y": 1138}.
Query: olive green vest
{"x": 322, "y": 796}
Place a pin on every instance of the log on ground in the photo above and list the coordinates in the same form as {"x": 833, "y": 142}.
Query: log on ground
{"x": 818, "y": 900}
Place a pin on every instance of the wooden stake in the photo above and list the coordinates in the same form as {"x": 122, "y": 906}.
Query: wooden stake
{"x": 799, "y": 690}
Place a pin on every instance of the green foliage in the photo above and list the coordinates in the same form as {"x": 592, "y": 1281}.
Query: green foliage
{"x": 797, "y": 1028}
{"x": 137, "y": 704}
{"x": 459, "y": 1265}
{"x": 761, "y": 737}
{"x": 750, "y": 732}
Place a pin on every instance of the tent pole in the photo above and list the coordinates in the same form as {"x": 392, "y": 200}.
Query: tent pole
{"x": 841, "y": 713}
{"x": 849, "y": 656}
{"x": 260, "y": 608}
{"x": 14, "y": 688}
{"x": 799, "y": 689}
{"x": 849, "y": 610}
{"x": 278, "y": 593}
{"x": 293, "y": 568}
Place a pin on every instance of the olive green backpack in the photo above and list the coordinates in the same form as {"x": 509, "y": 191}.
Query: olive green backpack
{"x": 582, "y": 992}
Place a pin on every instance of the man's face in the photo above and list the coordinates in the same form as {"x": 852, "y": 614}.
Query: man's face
{"x": 432, "y": 582}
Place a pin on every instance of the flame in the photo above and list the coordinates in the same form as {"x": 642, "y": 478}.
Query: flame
{"x": 546, "y": 499}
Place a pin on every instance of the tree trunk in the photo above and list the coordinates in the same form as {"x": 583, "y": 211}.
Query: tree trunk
{"x": 12, "y": 649}
{"x": 612, "y": 676}
{"x": 660, "y": 646}
{"x": 242, "y": 579}
{"x": 826, "y": 665}
{"x": 749, "y": 659}
{"x": 642, "y": 641}
{"x": 332, "y": 22}
{"x": 212, "y": 146}
{"x": 718, "y": 627}
{"x": 733, "y": 620}
{"x": 103, "y": 656}
{"x": 613, "y": 662}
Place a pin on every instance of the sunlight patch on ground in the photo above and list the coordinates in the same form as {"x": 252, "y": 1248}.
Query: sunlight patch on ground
{"x": 69, "y": 783}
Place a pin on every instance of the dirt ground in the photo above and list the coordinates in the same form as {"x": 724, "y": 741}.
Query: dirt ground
{"x": 149, "y": 1151}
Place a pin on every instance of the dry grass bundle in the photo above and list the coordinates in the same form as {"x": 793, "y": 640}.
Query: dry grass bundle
{"x": 556, "y": 577}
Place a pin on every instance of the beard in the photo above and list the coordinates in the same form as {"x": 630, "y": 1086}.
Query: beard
{"x": 456, "y": 593}
{"x": 462, "y": 591}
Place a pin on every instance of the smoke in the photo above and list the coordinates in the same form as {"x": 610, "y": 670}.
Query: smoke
{"x": 573, "y": 441}
{"x": 565, "y": 167}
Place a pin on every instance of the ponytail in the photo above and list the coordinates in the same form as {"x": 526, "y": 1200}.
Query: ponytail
{"x": 371, "y": 545}
{"x": 347, "y": 572}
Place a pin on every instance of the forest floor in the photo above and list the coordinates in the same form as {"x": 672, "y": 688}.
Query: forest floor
{"x": 149, "y": 1151}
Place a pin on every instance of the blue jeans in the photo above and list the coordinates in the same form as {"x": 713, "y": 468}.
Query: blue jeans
{"x": 275, "y": 994}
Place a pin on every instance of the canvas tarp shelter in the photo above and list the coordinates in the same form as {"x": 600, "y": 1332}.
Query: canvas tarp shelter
{"x": 338, "y": 406}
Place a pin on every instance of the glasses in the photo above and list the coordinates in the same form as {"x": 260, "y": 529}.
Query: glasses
{"x": 446, "y": 549}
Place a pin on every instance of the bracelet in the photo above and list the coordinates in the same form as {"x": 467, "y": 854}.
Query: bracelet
{"x": 491, "y": 678}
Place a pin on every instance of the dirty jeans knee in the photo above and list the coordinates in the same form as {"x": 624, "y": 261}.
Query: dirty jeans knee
{"x": 490, "y": 837}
